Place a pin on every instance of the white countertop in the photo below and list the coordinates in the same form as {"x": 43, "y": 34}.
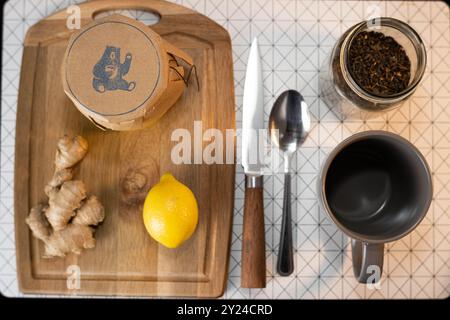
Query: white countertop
{"x": 418, "y": 266}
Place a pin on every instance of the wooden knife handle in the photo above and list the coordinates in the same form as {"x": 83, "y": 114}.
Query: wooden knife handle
{"x": 253, "y": 272}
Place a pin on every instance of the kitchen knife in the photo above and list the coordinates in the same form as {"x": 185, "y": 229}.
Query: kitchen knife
{"x": 253, "y": 272}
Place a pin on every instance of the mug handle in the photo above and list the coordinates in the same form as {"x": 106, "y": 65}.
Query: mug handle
{"x": 366, "y": 258}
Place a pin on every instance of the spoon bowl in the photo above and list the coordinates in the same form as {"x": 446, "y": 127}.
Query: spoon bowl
{"x": 289, "y": 121}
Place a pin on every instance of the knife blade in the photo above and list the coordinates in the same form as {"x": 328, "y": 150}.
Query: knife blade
{"x": 253, "y": 272}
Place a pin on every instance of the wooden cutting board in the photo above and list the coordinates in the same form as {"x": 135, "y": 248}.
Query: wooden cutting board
{"x": 126, "y": 261}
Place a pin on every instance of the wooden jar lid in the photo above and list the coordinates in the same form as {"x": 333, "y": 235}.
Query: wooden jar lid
{"x": 115, "y": 70}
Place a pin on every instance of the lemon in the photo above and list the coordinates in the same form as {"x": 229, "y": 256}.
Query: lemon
{"x": 170, "y": 212}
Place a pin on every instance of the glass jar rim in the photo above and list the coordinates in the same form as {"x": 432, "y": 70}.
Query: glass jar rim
{"x": 405, "y": 29}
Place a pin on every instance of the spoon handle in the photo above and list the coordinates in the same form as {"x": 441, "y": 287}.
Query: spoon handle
{"x": 285, "y": 263}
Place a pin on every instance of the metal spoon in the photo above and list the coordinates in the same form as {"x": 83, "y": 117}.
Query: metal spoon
{"x": 289, "y": 124}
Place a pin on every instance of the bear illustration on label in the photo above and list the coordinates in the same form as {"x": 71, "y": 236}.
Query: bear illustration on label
{"x": 109, "y": 72}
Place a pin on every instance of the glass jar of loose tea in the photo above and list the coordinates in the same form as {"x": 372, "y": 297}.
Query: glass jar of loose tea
{"x": 374, "y": 66}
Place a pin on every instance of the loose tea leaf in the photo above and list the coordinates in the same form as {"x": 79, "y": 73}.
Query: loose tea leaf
{"x": 379, "y": 64}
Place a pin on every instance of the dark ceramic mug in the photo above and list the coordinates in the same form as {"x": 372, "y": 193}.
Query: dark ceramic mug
{"x": 376, "y": 187}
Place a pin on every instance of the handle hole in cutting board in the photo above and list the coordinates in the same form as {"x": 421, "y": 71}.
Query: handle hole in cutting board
{"x": 147, "y": 17}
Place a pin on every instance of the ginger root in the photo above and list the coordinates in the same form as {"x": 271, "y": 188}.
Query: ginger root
{"x": 73, "y": 239}
{"x": 91, "y": 213}
{"x": 66, "y": 224}
{"x": 63, "y": 202}
{"x": 59, "y": 177}
{"x": 70, "y": 152}
{"x": 38, "y": 223}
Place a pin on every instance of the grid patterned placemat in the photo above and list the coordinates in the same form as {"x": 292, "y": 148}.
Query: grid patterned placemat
{"x": 295, "y": 37}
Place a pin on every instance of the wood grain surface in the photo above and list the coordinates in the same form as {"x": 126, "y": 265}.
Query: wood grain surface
{"x": 253, "y": 241}
{"x": 126, "y": 261}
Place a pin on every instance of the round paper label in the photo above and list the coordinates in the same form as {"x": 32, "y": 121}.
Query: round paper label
{"x": 113, "y": 68}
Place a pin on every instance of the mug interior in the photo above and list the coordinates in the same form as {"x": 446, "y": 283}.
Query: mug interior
{"x": 378, "y": 187}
